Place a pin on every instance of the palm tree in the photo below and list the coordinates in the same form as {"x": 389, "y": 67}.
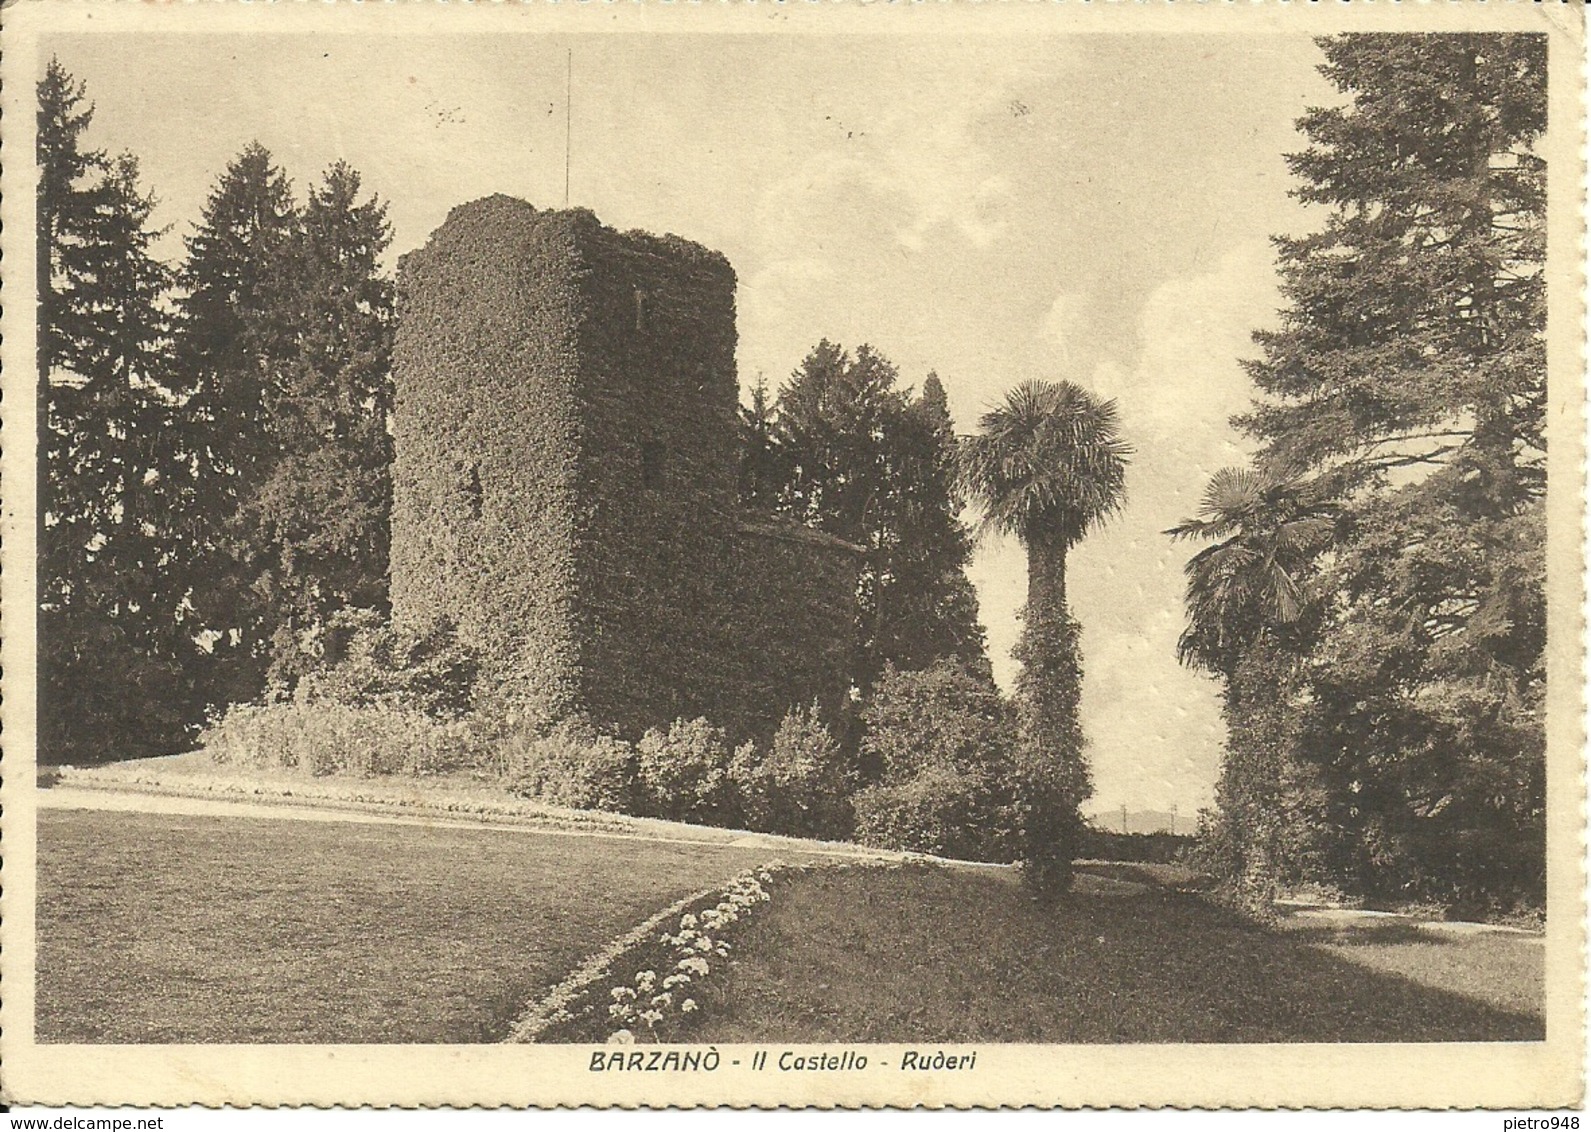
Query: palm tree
{"x": 1271, "y": 527}
{"x": 1048, "y": 467}
{"x": 1248, "y": 603}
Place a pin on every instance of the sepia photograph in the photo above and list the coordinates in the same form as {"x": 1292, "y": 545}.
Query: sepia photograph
{"x": 715, "y": 556}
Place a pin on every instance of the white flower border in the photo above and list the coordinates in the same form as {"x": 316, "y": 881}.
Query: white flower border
{"x": 553, "y": 1008}
{"x": 644, "y": 1002}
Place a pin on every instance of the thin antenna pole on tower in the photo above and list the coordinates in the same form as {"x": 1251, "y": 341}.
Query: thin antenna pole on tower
{"x": 568, "y": 120}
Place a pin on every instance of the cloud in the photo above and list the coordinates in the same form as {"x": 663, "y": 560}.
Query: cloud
{"x": 1155, "y": 725}
{"x": 860, "y": 197}
{"x": 914, "y": 149}
{"x": 1187, "y": 381}
{"x": 935, "y": 162}
{"x": 1063, "y": 321}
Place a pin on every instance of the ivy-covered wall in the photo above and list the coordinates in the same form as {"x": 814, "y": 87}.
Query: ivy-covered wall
{"x": 565, "y": 484}
{"x": 657, "y": 472}
{"x": 793, "y": 602}
{"x": 486, "y": 443}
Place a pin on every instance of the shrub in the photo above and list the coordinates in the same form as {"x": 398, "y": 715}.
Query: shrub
{"x": 942, "y": 811}
{"x": 104, "y": 697}
{"x": 1161, "y": 848}
{"x": 574, "y": 766}
{"x": 942, "y": 742}
{"x": 801, "y": 786}
{"x": 333, "y": 738}
{"x": 684, "y": 774}
{"x": 944, "y": 717}
{"x": 366, "y": 660}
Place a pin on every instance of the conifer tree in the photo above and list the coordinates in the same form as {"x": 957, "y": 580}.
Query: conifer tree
{"x": 763, "y": 470}
{"x": 112, "y": 647}
{"x": 930, "y": 610}
{"x": 1406, "y": 387}
{"x": 323, "y": 511}
{"x": 848, "y": 451}
{"x": 234, "y": 335}
{"x": 285, "y": 343}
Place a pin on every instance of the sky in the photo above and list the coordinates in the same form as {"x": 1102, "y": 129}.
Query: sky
{"x": 1095, "y": 208}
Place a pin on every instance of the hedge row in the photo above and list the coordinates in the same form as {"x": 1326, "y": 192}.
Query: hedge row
{"x": 332, "y": 738}
{"x": 935, "y": 772}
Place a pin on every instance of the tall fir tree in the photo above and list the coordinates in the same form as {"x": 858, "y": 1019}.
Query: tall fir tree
{"x": 323, "y": 511}
{"x": 113, "y": 652}
{"x": 931, "y": 612}
{"x": 285, "y": 341}
{"x": 1407, "y": 384}
{"x": 846, "y": 450}
{"x": 232, "y": 342}
{"x": 763, "y": 470}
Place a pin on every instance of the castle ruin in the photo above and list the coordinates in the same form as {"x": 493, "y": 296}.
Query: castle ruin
{"x": 564, "y": 484}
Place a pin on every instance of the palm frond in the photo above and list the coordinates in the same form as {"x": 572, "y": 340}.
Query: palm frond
{"x": 1049, "y": 462}
{"x": 1270, "y": 526}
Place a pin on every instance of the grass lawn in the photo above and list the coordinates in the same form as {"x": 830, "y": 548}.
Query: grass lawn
{"x": 163, "y": 928}
{"x": 1504, "y": 970}
{"x": 924, "y": 955}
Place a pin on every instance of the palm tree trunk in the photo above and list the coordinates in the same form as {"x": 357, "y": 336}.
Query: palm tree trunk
{"x": 1046, "y": 582}
{"x": 1055, "y": 777}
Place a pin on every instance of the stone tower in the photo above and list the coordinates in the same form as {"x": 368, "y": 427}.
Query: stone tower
{"x": 564, "y": 484}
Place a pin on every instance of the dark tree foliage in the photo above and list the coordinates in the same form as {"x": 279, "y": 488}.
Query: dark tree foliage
{"x": 934, "y": 607}
{"x": 367, "y": 661}
{"x": 1412, "y": 339}
{"x": 944, "y": 717}
{"x": 284, "y": 345}
{"x": 214, "y": 479}
{"x": 764, "y": 470}
{"x": 323, "y": 512}
{"x": 1252, "y": 582}
{"x": 943, "y": 742}
{"x": 801, "y": 784}
{"x": 1048, "y": 465}
{"x": 1405, "y": 394}
{"x": 1272, "y": 825}
{"x": 112, "y": 650}
{"x": 849, "y": 452}
{"x": 1052, "y": 773}
{"x": 231, "y": 343}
